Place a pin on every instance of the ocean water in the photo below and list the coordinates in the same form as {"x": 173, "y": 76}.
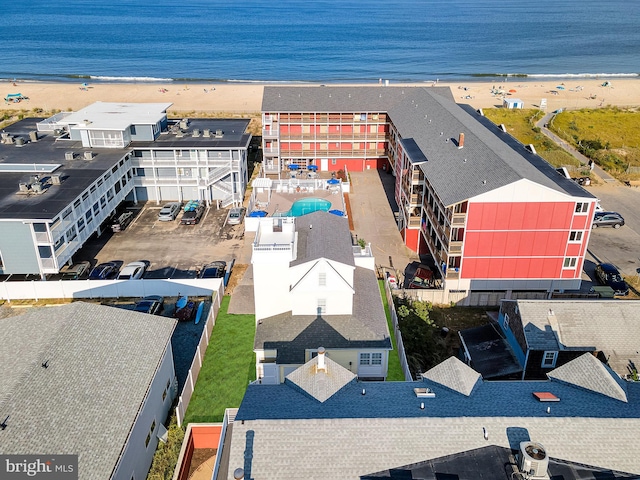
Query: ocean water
{"x": 318, "y": 41}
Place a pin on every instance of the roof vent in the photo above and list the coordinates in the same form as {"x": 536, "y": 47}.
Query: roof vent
{"x": 68, "y": 155}
{"x": 321, "y": 366}
{"x": 424, "y": 393}
{"x": 88, "y": 155}
{"x": 533, "y": 460}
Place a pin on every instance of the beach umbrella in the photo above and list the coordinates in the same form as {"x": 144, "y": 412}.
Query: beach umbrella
{"x": 293, "y": 166}
{"x": 313, "y": 168}
{"x": 258, "y": 214}
{"x": 339, "y": 213}
{"x": 512, "y": 91}
{"x": 333, "y": 181}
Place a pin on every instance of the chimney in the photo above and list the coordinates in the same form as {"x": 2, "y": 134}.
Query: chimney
{"x": 461, "y": 140}
{"x": 321, "y": 365}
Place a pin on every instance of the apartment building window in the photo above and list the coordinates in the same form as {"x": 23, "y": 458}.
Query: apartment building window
{"x": 570, "y": 262}
{"x": 71, "y": 233}
{"x": 322, "y": 306}
{"x": 85, "y": 196}
{"x": 333, "y": 161}
{"x": 80, "y": 225}
{"x": 582, "y": 207}
{"x": 322, "y": 279}
{"x": 96, "y": 208}
{"x": 575, "y": 236}
{"x": 149, "y": 435}
{"x": 109, "y": 195}
{"x": 549, "y": 359}
{"x": 89, "y": 216}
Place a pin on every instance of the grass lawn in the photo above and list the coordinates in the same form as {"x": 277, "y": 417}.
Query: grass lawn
{"x": 520, "y": 123}
{"x": 394, "y": 373}
{"x": 229, "y": 365}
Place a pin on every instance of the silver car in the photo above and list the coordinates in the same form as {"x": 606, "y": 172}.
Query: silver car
{"x": 235, "y": 216}
{"x": 169, "y": 212}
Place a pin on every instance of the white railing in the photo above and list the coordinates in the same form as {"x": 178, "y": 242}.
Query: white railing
{"x": 229, "y": 418}
{"x": 198, "y": 359}
{"x": 76, "y": 289}
{"x": 396, "y": 330}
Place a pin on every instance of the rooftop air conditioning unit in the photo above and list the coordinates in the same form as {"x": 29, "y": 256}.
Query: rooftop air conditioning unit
{"x": 68, "y": 155}
{"x": 57, "y": 132}
{"x": 184, "y": 123}
{"x": 24, "y": 187}
{"x": 196, "y": 132}
{"x": 533, "y": 461}
{"x": 55, "y": 179}
{"x": 88, "y": 155}
{"x": 19, "y": 141}
{"x": 33, "y": 135}
{"x": 36, "y": 187}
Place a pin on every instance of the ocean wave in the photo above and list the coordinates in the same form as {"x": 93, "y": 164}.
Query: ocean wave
{"x": 127, "y": 79}
{"x": 583, "y": 75}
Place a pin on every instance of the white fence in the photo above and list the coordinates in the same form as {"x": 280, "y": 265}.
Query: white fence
{"x": 396, "y": 330}
{"x": 466, "y": 299}
{"x": 196, "y": 365}
{"x": 75, "y": 289}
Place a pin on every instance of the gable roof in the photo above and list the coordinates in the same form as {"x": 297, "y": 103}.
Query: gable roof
{"x": 100, "y": 363}
{"x": 432, "y": 122}
{"x": 609, "y": 326}
{"x": 600, "y": 378}
{"x": 321, "y": 384}
{"x": 323, "y": 235}
{"x": 367, "y": 327}
{"x": 295, "y": 435}
{"x": 454, "y": 374}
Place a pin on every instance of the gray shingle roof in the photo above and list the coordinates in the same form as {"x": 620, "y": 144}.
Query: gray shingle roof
{"x": 606, "y": 325}
{"x": 365, "y": 328}
{"x": 328, "y": 237}
{"x": 101, "y": 361}
{"x": 600, "y": 379}
{"x": 321, "y": 384}
{"x": 351, "y": 435}
{"x": 454, "y": 374}
{"x": 434, "y": 121}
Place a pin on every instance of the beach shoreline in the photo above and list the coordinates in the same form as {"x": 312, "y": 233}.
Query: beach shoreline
{"x": 246, "y": 98}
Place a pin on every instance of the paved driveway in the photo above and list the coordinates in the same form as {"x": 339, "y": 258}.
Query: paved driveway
{"x": 618, "y": 246}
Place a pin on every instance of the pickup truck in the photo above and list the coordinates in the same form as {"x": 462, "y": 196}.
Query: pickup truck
{"x": 192, "y": 216}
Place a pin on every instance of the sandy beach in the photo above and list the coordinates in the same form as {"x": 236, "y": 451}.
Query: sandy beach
{"x": 247, "y": 98}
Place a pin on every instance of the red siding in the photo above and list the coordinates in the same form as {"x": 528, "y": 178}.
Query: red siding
{"x": 295, "y": 129}
{"x": 518, "y": 240}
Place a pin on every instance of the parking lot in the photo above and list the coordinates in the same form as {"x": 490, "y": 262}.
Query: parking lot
{"x": 618, "y": 246}
{"x": 173, "y": 250}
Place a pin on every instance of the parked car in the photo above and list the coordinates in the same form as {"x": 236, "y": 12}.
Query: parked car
{"x": 133, "y": 271}
{"x": 609, "y": 275}
{"x": 75, "y": 271}
{"x": 153, "y": 304}
{"x": 607, "y": 219}
{"x": 104, "y": 271}
{"x": 213, "y": 270}
{"x": 235, "y": 216}
{"x": 193, "y": 215}
{"x": 169, "y": 212}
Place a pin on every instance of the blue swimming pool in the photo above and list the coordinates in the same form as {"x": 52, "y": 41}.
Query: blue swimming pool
{"x": 304, "y": 206}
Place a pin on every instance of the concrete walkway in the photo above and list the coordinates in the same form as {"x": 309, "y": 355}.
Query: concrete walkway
{"x": 569, "y": 149}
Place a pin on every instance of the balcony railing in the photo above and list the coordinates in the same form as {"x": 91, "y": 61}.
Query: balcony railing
{"x": 335, "y": 136}
{"x": 270, "y": 151}
{"x": 333, "y": 153}
{"x": 269, "y": 133}
{"x": 455, "y": 247}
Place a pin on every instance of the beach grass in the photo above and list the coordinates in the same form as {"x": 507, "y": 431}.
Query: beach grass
{"x": 229, "y": 366}
{"x": 394, "y": 371}
{"x": 520, "y": 123}
{"x": 610, "y": 136}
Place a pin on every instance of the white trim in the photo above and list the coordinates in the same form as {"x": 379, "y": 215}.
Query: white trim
{"x": 549, "y": 355}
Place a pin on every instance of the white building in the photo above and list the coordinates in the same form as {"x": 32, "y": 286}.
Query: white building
{"x": 313, "y": 288}
{"x": 63, "y": 177}
{"x": 87, "y": 380}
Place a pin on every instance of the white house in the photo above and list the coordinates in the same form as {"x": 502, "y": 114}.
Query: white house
{"x": 310, "y": 291}
{"x": 87, "y": 380}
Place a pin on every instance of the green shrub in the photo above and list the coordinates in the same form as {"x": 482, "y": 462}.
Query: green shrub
{"x": 166, "y": 457}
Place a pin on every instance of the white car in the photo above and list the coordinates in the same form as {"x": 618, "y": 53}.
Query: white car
{"x": 169, "y": 212}
{"x": 133, "y": 271}
{"x": 235, "y": 216}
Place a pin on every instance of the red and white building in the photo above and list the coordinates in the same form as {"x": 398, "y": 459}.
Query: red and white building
{"x": 494, "y": 215}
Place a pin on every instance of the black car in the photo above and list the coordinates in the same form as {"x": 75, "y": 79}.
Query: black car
{"x": 213, "y": 270}
{"x": 609, "y": 275}
{"x": 192, "y": 217}
{"x": 153, "y": 304}
{"x": 607, "y": 219}
{"x": 104, "y": 271}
